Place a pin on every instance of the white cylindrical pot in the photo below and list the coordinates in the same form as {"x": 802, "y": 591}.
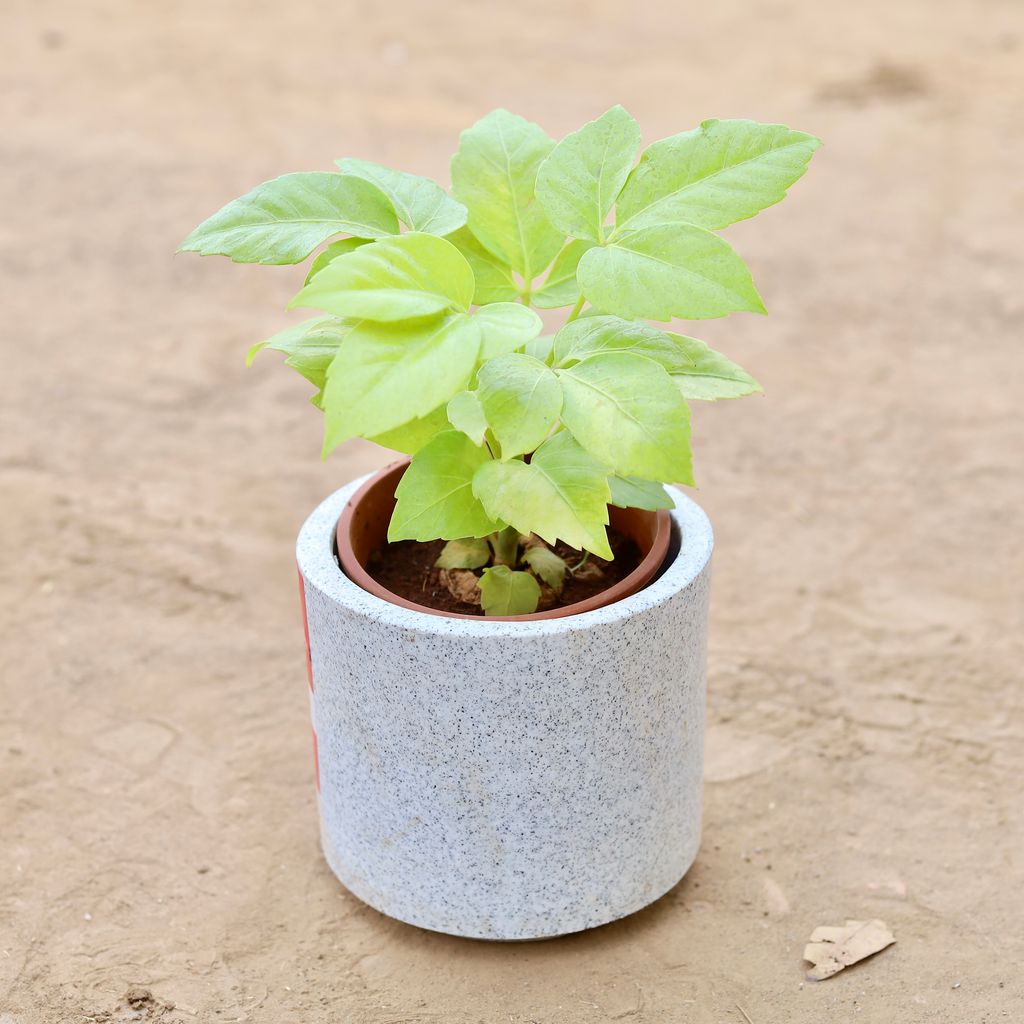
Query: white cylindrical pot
{"x": 508, "y": 780}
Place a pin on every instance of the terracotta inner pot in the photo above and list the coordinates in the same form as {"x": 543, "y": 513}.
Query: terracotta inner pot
{"x": 363, "y": 528}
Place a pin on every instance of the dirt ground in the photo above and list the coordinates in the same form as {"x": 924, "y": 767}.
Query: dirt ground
{"x": 158, "y": 840}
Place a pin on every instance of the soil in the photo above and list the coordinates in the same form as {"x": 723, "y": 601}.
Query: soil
{"x": 406, "y": 568}
{"x": 865, "y": 743}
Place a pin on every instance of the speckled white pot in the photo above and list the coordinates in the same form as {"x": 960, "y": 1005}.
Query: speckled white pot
{"x": 508, "y": 780}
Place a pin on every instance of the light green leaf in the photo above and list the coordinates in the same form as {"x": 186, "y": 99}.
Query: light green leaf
{"x": 435, "y": 495}
{"x": 562, "y": 494}
{"x": 388, "y": 374}
{"x": 577, "y": 184}
{"x": 714, "y": 175}
{"x": 708, "y": 375}
{"x": 698, "y": 371}
{"x": 541, "y": 348}
{"x": 625, "y": 410}
{"x": 411, "y": 275}
{"x": 410, "y": 437}
{"x": 521, "y": 399}
{"x": 335, "y": 249}
{"x": 560, "y": 287}
{"x": 594, "y": 335}
{"x": 662, "y": 272}
{"x": 421, "y": 204}
{"x": 494, "y": 174}
{"x": 632, "y": 492}
{"x": 547, "y": 565}
{"x": 506, "y": 592}
{"x": 284, "y": 220}
{"x": 465, "y": 553}
{"x": 287, "y": 340}
{"x": 494, "y": 280}
{"x": 506, "y": 326}
{"x": 466, "y": 414}
{"x": 309, "y": 346}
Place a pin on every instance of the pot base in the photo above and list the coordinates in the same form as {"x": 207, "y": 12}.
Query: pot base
{"x": 426, "y": 916}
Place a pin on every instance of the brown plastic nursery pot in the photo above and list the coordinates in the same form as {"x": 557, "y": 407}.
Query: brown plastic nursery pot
{"x": 363, "y": 527}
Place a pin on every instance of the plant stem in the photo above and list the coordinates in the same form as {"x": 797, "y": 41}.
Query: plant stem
{"x": 577, "y": 309}
{"x": 505, "y": 544}
{"x": 492, "y": 444}
{"x": 582, "y": 562}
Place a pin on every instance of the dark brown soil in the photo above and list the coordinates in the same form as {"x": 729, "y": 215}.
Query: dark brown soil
{"x": 407, "y": 569}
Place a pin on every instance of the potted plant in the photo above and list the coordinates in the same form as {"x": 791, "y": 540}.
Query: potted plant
{"x": 506, "y": 628}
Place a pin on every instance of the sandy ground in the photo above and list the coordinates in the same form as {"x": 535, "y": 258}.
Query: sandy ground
{"x": 866, "y": 746}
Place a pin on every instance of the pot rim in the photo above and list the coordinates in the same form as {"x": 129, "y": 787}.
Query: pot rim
{"x": 315, "y": 553}
{"x": 639, "y": 578}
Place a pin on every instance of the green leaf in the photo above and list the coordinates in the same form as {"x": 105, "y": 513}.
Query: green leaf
{"x": 632, "y": 492}
{"x": 465, "y": 553}
{"x": 332, "y": 251}
{"x": 541, "y": 348}
{"x": 547, "y": 565}
{"x": 284, "y": 220}
{"x": 494, "y": 280}
{"x": 561, "y": 494}
{"x": 411, "y": 275}
{"x": 506, "y": 326}
{"x": 410, "y": 437}
{"x": 625, "y": 410}
{"x": 577, "y": 184}
{"x": 714, "y": 175}
{"x": 388, "y": 374}
{"x": 421, "y": 204}
{"x": 506, "y": 592}
{"x": 435, "y": 495}
{"x": 494, "y": 174}
{"x": 309, "y": 346}
{"x": 698, "y": 371}
{"x": 708, "y": 375}
{"x": 595, "y": 335}
{"x": 560, "y": 287}
{"x": 662, "y": 272}
{"x": 466, "y": 414}
{"x": 521, "y": 399}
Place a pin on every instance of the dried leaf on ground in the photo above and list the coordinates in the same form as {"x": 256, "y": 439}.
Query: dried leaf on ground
{"x": 462, "y": 584}
{"x": 833, "y": 948}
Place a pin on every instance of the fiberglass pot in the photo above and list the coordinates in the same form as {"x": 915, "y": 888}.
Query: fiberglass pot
{"x": 507, "y": 779}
